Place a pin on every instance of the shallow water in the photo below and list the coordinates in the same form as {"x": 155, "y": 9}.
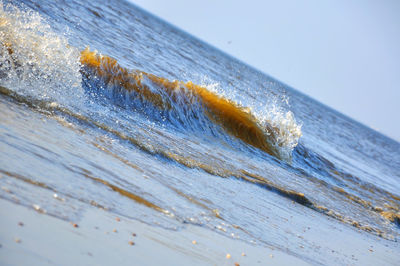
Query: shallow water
{"x": 116, "y": 132}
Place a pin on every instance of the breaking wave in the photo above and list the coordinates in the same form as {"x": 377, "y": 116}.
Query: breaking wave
{"x": 35, "y": 60}
{"x": 194, "y": 101}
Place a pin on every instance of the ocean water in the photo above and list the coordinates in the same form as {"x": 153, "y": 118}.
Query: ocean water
{"x": 105, "y": 106}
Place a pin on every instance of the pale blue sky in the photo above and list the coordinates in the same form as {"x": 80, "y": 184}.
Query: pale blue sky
{"x": 344, "y": 53}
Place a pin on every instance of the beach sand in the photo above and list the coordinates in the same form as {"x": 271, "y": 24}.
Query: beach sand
{"x": 29, "y": 237}
{"x": 101, "y": 238}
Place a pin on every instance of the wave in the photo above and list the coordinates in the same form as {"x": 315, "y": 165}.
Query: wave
{"x": 37, "y": 61}
{"x": 179, "y": 96}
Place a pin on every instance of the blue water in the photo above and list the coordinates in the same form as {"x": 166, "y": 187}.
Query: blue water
{"x": 78, "y": 137}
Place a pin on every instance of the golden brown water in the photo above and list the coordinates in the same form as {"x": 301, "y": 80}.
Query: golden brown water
{"x": 236, "y": 120}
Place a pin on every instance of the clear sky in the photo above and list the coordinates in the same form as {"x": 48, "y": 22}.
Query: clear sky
{"x": 344, "y": 53}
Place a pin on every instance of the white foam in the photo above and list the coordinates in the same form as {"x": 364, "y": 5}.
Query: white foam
{"x": 271, "y": 114}
{"x": 34, "y": 59}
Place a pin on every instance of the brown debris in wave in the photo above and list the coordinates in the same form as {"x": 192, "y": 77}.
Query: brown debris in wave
{"x": 234, "y": 119}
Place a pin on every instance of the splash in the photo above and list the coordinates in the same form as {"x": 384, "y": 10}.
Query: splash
{"x": 277, "y": 139}
{"x": 33, "y": 58}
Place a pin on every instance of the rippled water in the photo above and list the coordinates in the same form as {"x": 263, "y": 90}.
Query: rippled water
{"x": 107, "y": 106}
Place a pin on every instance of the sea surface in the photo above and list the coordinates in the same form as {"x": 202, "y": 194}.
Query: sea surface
{"x": 104, "y": 105}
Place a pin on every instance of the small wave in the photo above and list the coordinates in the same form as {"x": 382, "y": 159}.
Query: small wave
{"x": 36, "y": 61}
{"x": 277, "y": 139}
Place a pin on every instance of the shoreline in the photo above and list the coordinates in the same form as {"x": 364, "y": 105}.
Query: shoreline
{"x": 99, "y": 238}
{"x": 31, "y": 237}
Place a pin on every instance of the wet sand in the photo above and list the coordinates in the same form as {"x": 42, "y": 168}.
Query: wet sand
{"x": 28, "y": 237}
{"x": 102, "y": 238}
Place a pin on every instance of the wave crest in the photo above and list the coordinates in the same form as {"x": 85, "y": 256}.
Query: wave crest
{"x": 276, "y": 138}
